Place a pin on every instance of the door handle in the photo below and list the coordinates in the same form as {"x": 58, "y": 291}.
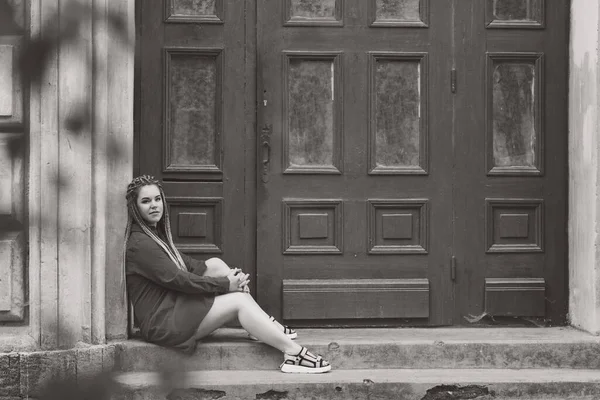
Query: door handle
{"x": 266, "y": 152}
{"x": 265, "y": 139}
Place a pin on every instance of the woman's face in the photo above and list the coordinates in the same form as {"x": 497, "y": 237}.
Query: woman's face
{"x": 150, "y": 204}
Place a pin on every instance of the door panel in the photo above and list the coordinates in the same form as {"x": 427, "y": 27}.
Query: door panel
{"x": 390, "y": 191}
{"x": 511, "y": 164}
{"x": 355, "y": 176}
{"x": 191, "y": 112}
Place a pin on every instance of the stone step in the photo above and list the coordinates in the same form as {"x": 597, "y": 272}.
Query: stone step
{"x": 400, "y": 384}
{"x": 229, "y": 349}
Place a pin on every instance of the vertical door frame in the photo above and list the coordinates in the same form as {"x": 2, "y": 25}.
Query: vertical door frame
{"x": 251, "y": 135}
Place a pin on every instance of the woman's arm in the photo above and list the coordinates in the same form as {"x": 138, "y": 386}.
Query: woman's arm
{"x": 194, "y": 266}
{"x": 146, "y": 258}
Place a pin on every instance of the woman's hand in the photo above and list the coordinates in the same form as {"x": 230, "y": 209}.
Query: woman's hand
{"x": 237, "y": 280}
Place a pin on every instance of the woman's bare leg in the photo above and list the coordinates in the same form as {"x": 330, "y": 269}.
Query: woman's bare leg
{"x": 241, "y": 305}
{"x": 216, "y": 268}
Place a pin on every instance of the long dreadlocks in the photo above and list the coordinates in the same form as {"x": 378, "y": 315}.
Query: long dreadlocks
{"x": 163, "y": 226}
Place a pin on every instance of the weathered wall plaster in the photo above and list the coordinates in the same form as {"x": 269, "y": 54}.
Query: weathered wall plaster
{"x": 584, "y": 246}
{"x": 75, "y": 246}
{"x": 118, "y": 172}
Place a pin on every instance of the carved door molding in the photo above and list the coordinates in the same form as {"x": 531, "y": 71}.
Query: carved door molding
{"x": 418, "y": 161}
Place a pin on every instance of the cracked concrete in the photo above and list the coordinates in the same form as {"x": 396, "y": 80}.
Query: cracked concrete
{"x": 411, "y": 357}
{"x": 196, "y": 394}
{"x": 27, "y": 374}
{"x": 394, "y": 348}
{"x": 273, "y": 395}
{"x": 456, "y": 392}
{"x": 401, "y": 384}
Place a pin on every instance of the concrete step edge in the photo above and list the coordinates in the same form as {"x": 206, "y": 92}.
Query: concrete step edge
{"x": 395, "y": 349}
{"x": 410, "y": 336}
{"x": 438, "y": 375}
{"x": 408, "y": 384}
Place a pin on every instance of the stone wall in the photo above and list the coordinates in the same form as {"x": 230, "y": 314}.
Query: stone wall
{"x": 13, "y": 215}
{"x": 78, "y": 240}
{"x": 75, "y": 281}
{"x": 584, "y": 92}
{"x": 27, "y": 375}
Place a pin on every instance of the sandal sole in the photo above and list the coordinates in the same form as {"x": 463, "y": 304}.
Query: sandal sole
{"x": 297, "y": 369}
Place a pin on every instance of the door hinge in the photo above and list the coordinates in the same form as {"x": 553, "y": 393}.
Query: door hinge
{"x": 453, "y": 80}
{"x": 453, "y": 268}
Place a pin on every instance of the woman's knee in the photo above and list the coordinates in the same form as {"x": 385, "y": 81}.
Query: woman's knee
{"x": 216, "y": 263}
{"x": 216, "y": 267}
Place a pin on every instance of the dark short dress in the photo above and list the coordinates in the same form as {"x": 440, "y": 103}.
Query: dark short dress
{"x": 168, "y": 303}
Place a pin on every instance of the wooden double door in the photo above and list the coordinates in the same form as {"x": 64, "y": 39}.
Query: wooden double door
{"x": 370, "y": 162}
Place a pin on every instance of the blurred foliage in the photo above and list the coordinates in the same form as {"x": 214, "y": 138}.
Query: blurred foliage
{"x": 64, "y": 27}
{"x": 33, "y": 60}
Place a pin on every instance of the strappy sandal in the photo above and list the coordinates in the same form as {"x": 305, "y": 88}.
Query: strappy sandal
{"x": 304, "y": 362}
{"x": 289, "y": 332}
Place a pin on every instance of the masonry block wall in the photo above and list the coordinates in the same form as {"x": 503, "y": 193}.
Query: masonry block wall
{"x": 584, "y": 223}
{"x": 61, "y": 282}
{"x": 12, "y": 175}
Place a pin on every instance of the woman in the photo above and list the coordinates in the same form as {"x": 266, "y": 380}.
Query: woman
{"x": 178, "y": 300}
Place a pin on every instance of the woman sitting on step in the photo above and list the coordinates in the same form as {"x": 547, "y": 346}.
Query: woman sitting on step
{"x": 178, "y": 299}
